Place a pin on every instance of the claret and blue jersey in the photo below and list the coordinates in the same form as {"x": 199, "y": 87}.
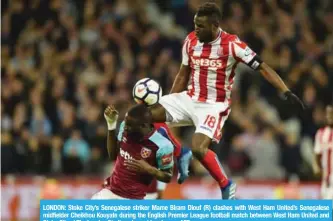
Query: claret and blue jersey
{"x": 155, "y": 149}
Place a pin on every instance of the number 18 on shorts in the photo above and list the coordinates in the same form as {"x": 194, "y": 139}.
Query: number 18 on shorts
{"x": 208, "y": 118}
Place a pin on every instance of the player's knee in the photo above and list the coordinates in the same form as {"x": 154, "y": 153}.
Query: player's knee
{"x": 200, "y": 145}
{"x": 198, "y": 152}
{"x": 158, "y": 113}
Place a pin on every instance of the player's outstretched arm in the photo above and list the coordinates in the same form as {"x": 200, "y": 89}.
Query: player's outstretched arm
{"x": 111, "y": 117}
{"x": 141, "y": 166}
{"x": 181, "y": 80}
{"x": 270, "y": 75}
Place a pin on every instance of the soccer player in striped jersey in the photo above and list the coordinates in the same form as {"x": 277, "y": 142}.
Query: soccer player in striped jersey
{"x": 324, "y": 157}
{"x": 201, "y": 92}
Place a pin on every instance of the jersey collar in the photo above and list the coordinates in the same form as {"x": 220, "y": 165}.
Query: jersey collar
{"x": 149, "y": 134}
{"x": 218, "y": 36}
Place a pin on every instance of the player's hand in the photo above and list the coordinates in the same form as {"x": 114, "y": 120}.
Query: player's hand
{"x": 139, "y": 166}
{"x": 294, "y": 100}
{"x": 111, "y": 117}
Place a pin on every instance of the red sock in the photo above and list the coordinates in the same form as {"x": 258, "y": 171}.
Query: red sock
{"x": 212, "y": 164}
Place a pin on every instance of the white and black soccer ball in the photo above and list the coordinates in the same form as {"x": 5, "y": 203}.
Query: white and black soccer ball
{"x": 147, "y": 91}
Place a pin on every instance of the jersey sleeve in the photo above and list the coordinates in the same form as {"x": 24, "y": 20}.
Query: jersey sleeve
{"x": 317, "y": 149}
{"x": 165, "y": 131}
{"x": 243, "y": 53}
{"x": 185, "y": 56}
{"x": 164, "y": 153}
{"x": 121, "y": 131}
{"x": 164, "y": 157}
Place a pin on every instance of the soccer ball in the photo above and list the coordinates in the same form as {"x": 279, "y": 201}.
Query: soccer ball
{"x": 147, "y": 91}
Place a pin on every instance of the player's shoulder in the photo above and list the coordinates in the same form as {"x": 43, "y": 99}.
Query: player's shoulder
{"x": 321, "y": 130}
{"x": 226, "y": 36}
{"x": 160, "y": 141}
{"x": 159, "y": 125}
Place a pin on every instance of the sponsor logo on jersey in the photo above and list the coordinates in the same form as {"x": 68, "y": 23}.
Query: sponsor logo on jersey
{"x": 205, "y": 62}
{"x": 145, "y": 152}
{"x": 125, "y": 154}
{"x": 166, "y": 159}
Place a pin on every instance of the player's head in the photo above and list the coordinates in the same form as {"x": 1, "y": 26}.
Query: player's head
{"x": 207, "y": 21}
{"x": 138, "y": 121}
{"x": 329, "y": 114}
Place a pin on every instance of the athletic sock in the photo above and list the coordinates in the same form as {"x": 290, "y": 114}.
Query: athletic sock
{"x": 213, "y": 165}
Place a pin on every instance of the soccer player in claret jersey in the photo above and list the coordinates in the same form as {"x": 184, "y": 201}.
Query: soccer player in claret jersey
{"x": 144, "y": 155}
{"x": 209, "y": 58}
{"x": 324, "y": 157}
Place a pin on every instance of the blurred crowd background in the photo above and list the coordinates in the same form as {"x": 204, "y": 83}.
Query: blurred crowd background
{"x": 63, "y": 61}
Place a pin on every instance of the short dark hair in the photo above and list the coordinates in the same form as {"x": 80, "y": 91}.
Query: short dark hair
{"x": 141, "y": 113}
{"x": 211, "y": 10}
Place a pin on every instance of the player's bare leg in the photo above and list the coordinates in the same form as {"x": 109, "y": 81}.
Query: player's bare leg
{"x": 159, "y": 113}
{"x": 200, "y": 149}
{"x": 160, "y": 116}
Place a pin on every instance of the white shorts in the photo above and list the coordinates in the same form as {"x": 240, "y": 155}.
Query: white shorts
{"x": 208, "y": 118}
{"x": 106, "y": 194}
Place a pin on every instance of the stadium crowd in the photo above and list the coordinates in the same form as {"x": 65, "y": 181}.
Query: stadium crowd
{"x": 63, "y": 61}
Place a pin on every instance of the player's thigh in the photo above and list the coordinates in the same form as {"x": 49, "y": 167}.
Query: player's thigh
{"x": 158, "y": 112}
{"x": 105, "y": 194}
{"x": 210, "y": 120}
{"x": 177, "y": 109}
{"x": 200, "y": 144}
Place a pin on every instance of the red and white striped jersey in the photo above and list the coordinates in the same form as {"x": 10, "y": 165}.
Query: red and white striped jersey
{"x": 213, "y": 65}
{"x": 324, "y": 147}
